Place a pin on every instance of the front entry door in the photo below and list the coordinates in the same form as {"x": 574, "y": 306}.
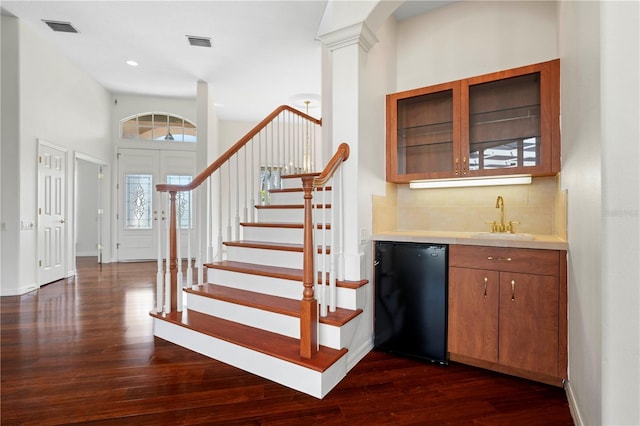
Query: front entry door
{"x": 141, "y": 209}
{"x": 52, "y": 220}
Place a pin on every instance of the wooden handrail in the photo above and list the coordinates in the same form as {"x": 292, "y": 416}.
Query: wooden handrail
{"x": 341, "y": 155}
{"x": 309, "y": 304}
{"x": 197, "y": 181}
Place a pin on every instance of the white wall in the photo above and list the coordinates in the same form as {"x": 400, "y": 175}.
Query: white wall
{"x": 61, "y": 104}
{"x": 466, "y": 39}
{"x": 9, "y": 158}
{"x": 620, "y": 98}
{"x": 581, "y": 176}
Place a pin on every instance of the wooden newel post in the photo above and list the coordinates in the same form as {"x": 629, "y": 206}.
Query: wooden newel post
{"x": 173, "y": 251}
{"x": 308, "y": 305}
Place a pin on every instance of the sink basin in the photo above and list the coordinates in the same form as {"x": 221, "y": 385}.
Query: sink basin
{"x": 503, "y": 236}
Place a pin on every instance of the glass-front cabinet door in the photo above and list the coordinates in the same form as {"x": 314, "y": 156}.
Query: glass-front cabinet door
{"x": 510, "y": 121}
{"x": 423, "y": 128}
{"x": 496, "y": 124}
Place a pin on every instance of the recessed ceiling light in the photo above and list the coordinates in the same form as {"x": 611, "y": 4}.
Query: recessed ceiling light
{"x": 199, "y": 41}
{"x": 63, "y": 27}
{"x": 132, "y": 63}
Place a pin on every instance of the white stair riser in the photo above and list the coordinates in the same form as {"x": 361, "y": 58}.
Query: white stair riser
{"x": 297, "y": 197}
{"x": 329, "y": 336}
{"x": 280, "y": 258}
{"x": 268, "y": 285}
{"x": 288, "y": 183}
{"x": 281, "y": 235}
{"x": 286, "y": 373}
{"x": 346, "y": 298}
{"x": 290, "y": 215}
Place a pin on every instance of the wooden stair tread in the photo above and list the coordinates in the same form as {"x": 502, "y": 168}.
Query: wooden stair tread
{"x": 281, "y": 225}
{"x": 271, "y": 246}
{"x": 254, "y": 269}
{"x": 289, "y": 206}
{"x": 275, "y": 272}
{"x": 299, "y": 175}
{"x": 269, "y": 303}
{"x": 299, "y": 189}
{"x": 272, "y": 344}
{"x": 352, "y": 284}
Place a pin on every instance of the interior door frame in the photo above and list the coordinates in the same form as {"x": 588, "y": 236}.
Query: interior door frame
{"x": 104, "y": 201}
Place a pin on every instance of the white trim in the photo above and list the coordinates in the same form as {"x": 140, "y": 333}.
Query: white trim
{"x": 51, "y": 145}
{"x": 573, "y": 405}
{"x": 353, "y": 34}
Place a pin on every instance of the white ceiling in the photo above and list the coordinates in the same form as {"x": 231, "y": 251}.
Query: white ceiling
{"x": 264, "y": 53}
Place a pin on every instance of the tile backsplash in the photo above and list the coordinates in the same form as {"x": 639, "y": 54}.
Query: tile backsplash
{"x": 539, "y": 207}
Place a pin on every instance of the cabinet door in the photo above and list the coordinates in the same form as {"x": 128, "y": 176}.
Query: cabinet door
{"x": 423, "y": 132}
{"x": 529, "y": 322}
{"x": 473, "y": 313}
{"x": 509, "y": 121}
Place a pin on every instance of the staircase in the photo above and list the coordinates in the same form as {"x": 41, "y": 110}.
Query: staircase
{"x": 247, "y": 313}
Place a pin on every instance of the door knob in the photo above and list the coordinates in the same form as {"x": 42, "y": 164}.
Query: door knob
{"x": 62, "y": 221}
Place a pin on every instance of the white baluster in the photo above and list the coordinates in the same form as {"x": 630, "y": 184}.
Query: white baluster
{"x": 210, "y": 216}
{"x": 340, "y": 231}
{"x": 179, "y": 213}
{"x": 199, "y": 265}
{"x": 252, "y": 204}
{"x": 167, "y": 272}
{"x": 189, "y": 226}
{"x": 334, "y": 248}
{"x": 323, "y": 252}
{"x": 219, "y": 208}
{"x": 159, "y": 273}
{"x": 245, "y": 215}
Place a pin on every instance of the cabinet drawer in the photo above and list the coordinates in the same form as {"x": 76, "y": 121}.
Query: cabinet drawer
{"x": 531, "y": 261}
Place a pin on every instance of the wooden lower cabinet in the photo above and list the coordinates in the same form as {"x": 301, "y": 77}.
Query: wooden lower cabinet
{"x": 473, "y": 313}
{"x": 505, "y": 318}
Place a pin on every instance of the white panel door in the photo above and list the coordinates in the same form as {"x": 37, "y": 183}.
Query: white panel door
{"x": 141, "y": 209}
{"x": 52, "y": 221}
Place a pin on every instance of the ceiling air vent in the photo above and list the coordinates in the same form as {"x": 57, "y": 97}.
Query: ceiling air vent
{"x": 62, "y": 27}
{"x": 199, "y": 41}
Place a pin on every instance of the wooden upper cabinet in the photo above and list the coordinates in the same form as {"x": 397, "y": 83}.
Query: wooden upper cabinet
{"x": 496, "y": 124}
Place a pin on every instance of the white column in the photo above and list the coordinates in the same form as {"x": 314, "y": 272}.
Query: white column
{"x": 348, "y": 49}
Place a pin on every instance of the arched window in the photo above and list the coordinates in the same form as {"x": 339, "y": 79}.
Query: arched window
{"x": 158, "y": 126}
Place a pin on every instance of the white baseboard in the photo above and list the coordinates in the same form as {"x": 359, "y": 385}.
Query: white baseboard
{"x": 573, "y": 406}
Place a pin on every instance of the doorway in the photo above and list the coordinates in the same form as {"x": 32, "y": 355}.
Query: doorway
{"x": 91, "y": 196}
{"x": 142, "y": 211}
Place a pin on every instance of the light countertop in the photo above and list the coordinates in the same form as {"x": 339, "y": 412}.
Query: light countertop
{"x": 545, "y": 242}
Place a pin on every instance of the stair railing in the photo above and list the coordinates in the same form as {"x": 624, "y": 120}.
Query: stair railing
{"x": 224, "y": 194}
{"x": 311, "y": 276}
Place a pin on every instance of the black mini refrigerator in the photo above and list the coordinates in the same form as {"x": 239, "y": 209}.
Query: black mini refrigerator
{"x": 411, "y": 300}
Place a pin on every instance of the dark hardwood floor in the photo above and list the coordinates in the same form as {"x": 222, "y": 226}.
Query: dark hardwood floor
{"x": 82, "y": 351}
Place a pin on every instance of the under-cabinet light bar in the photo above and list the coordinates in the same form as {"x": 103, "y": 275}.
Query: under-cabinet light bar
{"x": 467, "y": 182}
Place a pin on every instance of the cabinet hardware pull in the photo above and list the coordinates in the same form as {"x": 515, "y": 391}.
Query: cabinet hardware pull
{"x": 499, "y": 259}
{"x": 485, "y": 286}
{"x": 464, "y": 165}
{"x": 456, "y": 167}
{"x": 513, "y": 290}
